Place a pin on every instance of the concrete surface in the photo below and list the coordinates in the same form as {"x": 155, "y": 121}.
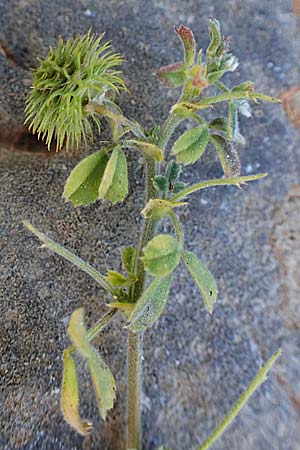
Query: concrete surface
{"x": 194, "y": 365}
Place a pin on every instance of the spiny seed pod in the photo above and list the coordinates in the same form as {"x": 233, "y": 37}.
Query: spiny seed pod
{"x": 77, "y": 72}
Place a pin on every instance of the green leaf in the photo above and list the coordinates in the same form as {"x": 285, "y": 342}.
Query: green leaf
{"x": 69, "y": 400}
{"x": 247, "y": 87}
{"x": 215, "y": 37}
{"x": 190, "y": 146}
{"x": 215, "y": 76}
{"x": 160, "y": 183}
{"x": 117, "y": 279}
{"x": 103, "y": 383}
{"x": 172, "y": 75}
{"x": 128, "y": 259}
{"x": 219, "y": 123}
{"x": 82, "y": 185}
{"x": 114, "y": 184}
{"x": 149, "y": 150}
{"x": 158, "y": 208}
{"x": 228, "y": 156}
{"x": 178, "y": 187}
{"x": 102, "y": 379}
{"x": 203, "y": 278}
{"x": 233, "y": 131}
{"x": 173, "y": 170}
{"x": 161, "y": 255}
{"x": 150, "y": 305}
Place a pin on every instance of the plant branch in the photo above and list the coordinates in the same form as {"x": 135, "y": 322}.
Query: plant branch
{"x": 177, "y": 227}
{"x": 236, "y": 181}
{"x": 255, "y": 383}
{"x": 95, "y": 330}
{"x": 58, "y": 249}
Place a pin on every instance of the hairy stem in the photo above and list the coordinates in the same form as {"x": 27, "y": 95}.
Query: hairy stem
{"x": 236, "y": 181}
{"x": 134, "y": 343}
{"x": 60, "y": 250}
{"x": 134, "y": 347}
{"x": 255, "y": 383}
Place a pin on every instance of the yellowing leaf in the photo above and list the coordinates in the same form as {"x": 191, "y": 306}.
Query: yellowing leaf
{"x": 148, "y": 149}
{"x": 159, "y": 208}
{"x": 191, "y": 144}
{"x": 128, "y": 259}
{"x": 114, "y": 184}
{"x": 103, "y": 383}
{"x": 117, "y": 279}
{"x": 203, "y": 278}
{"x": 69, "y": 401}
{"x": 150, "y": 305}
{"x": 161, "y": 255}
{"x": 82, "y": 185}
{"x": 102, "y": 378}
{"x": 77, "y": 333}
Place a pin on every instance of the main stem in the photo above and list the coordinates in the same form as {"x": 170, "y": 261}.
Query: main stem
{"x": 134, "y": 343}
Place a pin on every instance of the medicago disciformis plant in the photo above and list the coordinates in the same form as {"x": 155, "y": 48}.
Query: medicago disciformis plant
{"x": 73, "y": 92}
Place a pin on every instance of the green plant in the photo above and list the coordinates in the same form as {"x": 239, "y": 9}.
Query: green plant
{"x": 78, "y": 82}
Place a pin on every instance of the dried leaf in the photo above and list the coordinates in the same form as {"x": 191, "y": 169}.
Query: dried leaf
{"x": 69, "y": 401}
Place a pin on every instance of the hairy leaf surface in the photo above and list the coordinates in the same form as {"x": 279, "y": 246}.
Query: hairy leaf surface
{"x": 161, "y": 255}
{"x": 203, "y": 278}
{"x": 82, "y": 185}
{"x": 190, "y": 146}
{"x": 150, "y": 305}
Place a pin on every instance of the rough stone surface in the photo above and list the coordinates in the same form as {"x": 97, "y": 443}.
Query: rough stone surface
{"x": 194, "y": 365}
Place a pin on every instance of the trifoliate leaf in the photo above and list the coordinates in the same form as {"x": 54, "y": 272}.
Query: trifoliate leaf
{"x": 148, "y": 149}
{"x": 69, "y": 400}
{"x": 172, "y": 75}
{"x": 102, "y": 378}
{"x": 150, "y": 305}
{"x": 228, "y": 156}
{"x": 114, "y": 184}
{"x": 128, "y": 259}
{"x": 190, "y": 146}
{"x": 161, "y": 255}
{"x": 158, "y": 208}
{"x": 173, "y": 170}
{"x": 188, "y": 42}
{"x": 160, "y": 183}
{"x": 82, "y": 185}
{"x": 203, "y": 278}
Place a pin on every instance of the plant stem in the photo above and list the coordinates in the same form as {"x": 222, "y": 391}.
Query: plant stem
{"x": 236, "y": 181}
{"x": 134, "y": 343}
{"x": 134, "y": 350}
{"x": 255, "y": 383}
{"x": 60, "y": 250}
